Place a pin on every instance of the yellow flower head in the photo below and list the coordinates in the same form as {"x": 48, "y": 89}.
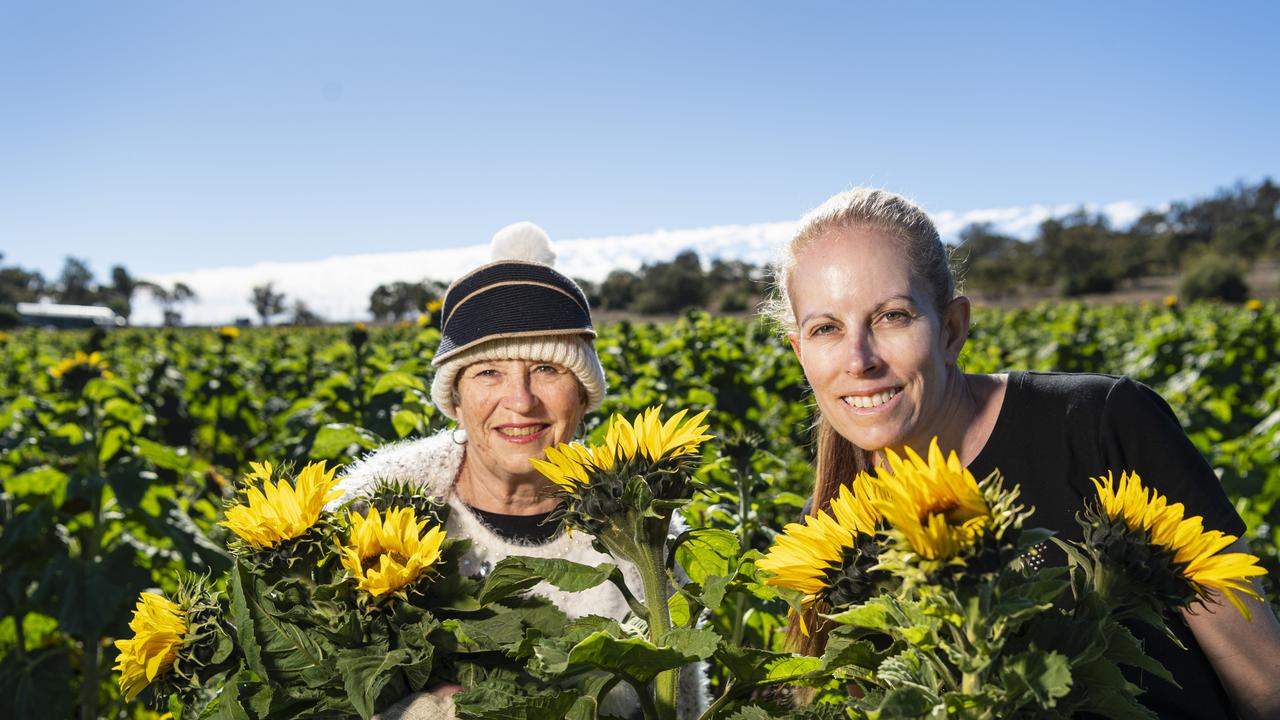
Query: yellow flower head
{"x": 936, "y": 505}
{"x": 435, "y": 305}
{"x": 387, "y": 553}
{"x": 90, "y": 364}
{"x": 159, "y": 626}
{"x": 1171, "y": 301}
{"x": 802, "y": 556}
{"x": 424, "y": 319}
{"x": 1196, "y": 551}
{"x": 4, "y": 337}
{"x": 1253, "y": 305}
{"x": 228, "y": 332}
{"x": 360, "y": 326}
{"x": 570, "y": 465}
{"x": 280, "y": 511}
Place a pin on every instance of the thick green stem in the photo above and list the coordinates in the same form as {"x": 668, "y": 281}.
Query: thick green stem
{"x": 20, "y": 635}
{"x": 650, "y": 561}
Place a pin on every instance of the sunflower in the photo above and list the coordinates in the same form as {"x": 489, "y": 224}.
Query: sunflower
{"x": 816, "y": 558}
{"x": 1254, "y": 305}
{"x": 227, "y": 333}
{"x": 570, "y": 465}
{"x": 88, "y": 364}
{"x": 936, "y": 505}
{"x": 1196, "y": 553}
{"x": 280, "y": 511}
{"x": 159, "y": 626}
{"x": 386, "y": 553}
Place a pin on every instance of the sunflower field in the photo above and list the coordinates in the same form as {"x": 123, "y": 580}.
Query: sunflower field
{"x": 119, "y": 452}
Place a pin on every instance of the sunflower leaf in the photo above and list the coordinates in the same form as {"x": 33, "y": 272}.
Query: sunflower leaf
{"x": 706, "y": 551}
{"x": 514, "y": 575}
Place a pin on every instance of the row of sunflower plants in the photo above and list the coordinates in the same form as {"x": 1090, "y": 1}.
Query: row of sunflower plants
{"x": 918, "y": 576}
{"x": 206, "y": 403}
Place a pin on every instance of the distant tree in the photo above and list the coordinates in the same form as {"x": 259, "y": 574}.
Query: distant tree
{"x": 618, "y": 290}
{"x": 169, "y": 299}
{"x": 591, "y": 290}
{"x": 18, "y": 285}
{"x": 303, "y": 315}
{"x": 75, "y": 284}
{"x": 1078, "y": 250}
{"x": 396, "y": 300}
{"x": 119, "y": 295}
{"x": 1212, "y": 276}
{"x": 267, "y": 302}
{"x": 670, "y": 287}
{"x": 991, "y": 262}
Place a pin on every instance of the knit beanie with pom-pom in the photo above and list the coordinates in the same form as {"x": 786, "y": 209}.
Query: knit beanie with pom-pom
{"x": 517, "y": 307}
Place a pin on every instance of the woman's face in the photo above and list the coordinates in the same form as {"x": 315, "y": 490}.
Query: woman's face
{"x": 871, "y": 342}
{"x": 513, "y": 410}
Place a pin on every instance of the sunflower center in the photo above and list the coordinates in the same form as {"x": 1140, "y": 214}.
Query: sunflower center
{"x": 374, "y": 562}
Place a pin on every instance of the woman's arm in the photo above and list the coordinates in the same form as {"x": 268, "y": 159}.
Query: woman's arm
{"x": 1244, "y": 653}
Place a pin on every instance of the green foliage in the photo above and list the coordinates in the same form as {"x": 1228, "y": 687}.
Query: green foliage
{"x": 186, "y": 413}
{"x": 1213, "y": 277}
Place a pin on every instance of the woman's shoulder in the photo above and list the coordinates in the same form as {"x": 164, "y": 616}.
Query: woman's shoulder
{"x": 431, "y": 462}
{"x": 1069, "y": 391}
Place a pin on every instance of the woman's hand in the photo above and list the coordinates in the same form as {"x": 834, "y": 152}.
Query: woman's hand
{"x": 434, "y": 704}
{"x": 1244, "y": 653}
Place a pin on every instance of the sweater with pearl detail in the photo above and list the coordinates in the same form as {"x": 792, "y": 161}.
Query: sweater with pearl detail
{"x": 433, "y": 463}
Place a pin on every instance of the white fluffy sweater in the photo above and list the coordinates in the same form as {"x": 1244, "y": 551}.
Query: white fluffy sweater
{"x": 433, "y": 463}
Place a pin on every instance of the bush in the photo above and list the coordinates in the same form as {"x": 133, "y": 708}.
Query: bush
{"x": 1214, "y": 277}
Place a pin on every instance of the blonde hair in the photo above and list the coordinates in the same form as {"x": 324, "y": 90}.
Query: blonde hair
{"x": 838, "y": 461}
{"x": 869, "y": 208}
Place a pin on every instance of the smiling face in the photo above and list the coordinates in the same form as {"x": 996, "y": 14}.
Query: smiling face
{"x": 513, "y": 410}
{"x": 873, "y": 345}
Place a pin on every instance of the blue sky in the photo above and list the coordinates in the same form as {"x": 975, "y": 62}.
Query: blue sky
{"x": 172, "y": 137}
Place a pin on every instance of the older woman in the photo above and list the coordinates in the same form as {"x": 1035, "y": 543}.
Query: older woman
{"x": 866, "y": 290}
{"x": 517, "y": 371}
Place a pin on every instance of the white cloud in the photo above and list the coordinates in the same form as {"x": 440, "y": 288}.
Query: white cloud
{"x": 338, "y": 288}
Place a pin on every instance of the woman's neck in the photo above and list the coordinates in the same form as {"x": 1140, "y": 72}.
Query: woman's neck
{"x": 965, "y": 419}
{"x": 507, "y": 495}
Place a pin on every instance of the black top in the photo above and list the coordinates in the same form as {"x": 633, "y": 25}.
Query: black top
{"x": 1055, "y": 431}
{"x": 521, "y": 529}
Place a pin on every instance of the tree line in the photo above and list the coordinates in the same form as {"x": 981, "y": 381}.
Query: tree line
{"x": 1209, "y": 243}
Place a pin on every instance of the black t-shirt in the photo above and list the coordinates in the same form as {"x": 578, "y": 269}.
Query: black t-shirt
{"x": 1055, "y": 431}
{"x": 522, "y": 529}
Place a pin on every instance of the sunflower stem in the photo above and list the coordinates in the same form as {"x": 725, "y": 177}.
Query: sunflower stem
{"x": 650, "y": 561}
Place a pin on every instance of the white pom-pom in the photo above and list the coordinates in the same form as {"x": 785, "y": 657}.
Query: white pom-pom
{"x": 522, "y": 241}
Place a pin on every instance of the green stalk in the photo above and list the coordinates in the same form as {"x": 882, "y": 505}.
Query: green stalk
{"x": 651, "y": 562}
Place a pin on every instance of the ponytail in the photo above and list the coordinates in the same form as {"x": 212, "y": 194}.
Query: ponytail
{"x": 838, "y": 463}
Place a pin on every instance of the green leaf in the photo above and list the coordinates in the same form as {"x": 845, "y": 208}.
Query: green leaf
{"x": 36, "y": 685}
{"x": 872, "y": 615}
{"x": 112, "y": 440}
{"x": 680, "y": 609}
{"x": 707, "y": 551}
{"x": 1046, "y": 675}
{"x": 274, "y": 647}
{"x": 365, "y": 672}
{"x": 163, "y": 456}
{"x": 397, "y": 380}
{"x": 634, "y": 658}
{"x": 338, "y": 440}
{"x": 126, "y": 412}
{"x": 699, "y": 644}
{"x": 714, "y": 589}
{"x": 406, "y": 422}
{"x": 514, "y": 575}
{"x": 43, "y": 480}
{"x": 906, "y": 702}
{"x": 1126, "y": 649}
